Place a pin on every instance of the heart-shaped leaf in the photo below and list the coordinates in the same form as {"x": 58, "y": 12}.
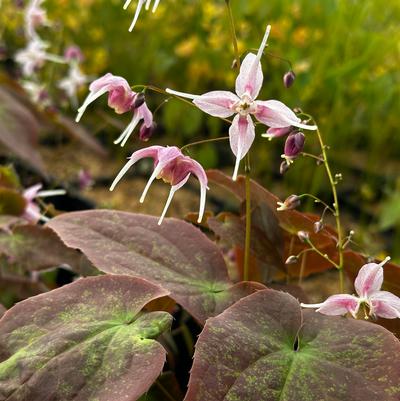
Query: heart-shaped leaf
{"x": 265, "y": 348}
{"x": 176, "y": 255}
{"x": 87, "y": 341}
{"x": 31, "y": 247}
{"x": 19, "y": 130}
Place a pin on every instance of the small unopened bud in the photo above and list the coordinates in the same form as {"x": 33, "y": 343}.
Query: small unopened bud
{"x": 304, "y": 236}
{"x": 318, "y": 226}
{"x": 145, "y": 133}
{"x": 139, "y": 100}
{"x": 290, "y": 203}
{"x": 73, "y": 53}
{"x": 291, "y": 260}
{"x": 288, "y": 79}
{"x": 294, "y": 145}
{"x": 284, "y": 167}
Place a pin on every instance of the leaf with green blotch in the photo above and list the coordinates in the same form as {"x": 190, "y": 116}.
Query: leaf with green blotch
{"x": 176, "y": 255}
{"x": 19, "y": 130}
{"x": 87, "y": 341}
{"x": 265, "y": 348}
{"x": 31, "y": 248}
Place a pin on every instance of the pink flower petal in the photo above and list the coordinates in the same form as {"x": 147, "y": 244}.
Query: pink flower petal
{"x": 32, "y": 213}
{"x": 369, "y": 280}
{"x": 151, "y": 151}
{"x": 385, "y": 304}
{"x": 217, "y": 103}
{"x": 241, "y": 136}
{"x": 337, "y": 305}
{"x": 275, "y": 114}
{"x": 31, "y": 192}
{"x": 250, "y": 78}
{"x": 146, "y": 114}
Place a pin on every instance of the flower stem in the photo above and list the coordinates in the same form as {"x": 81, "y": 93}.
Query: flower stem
{"x": 233, "y": 34}
{"x": 247, "y": 241}
{"x": 222, "y": 138}
{"x": 248, "y": 220}
{"x": 336, "y": 207}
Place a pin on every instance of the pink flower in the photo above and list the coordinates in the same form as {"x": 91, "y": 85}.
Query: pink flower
{"x": 121, "y": 98}
{"x": 32, "y": 210}
{"x": 367, "y": 284}
{"x": 73, "y": 53}
{"x": 139, "y": 7}
{"x": 35, "y": 16}
{"x": 34, "y": 56}
{"x": 174, "y": 168}
{"x": 72, "y": 82}
{"x": 243, "y": 104}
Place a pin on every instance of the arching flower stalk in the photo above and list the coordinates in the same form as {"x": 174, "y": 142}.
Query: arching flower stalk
{"x": 141, "y": 3}
{"x": 368, "y": 285}
{"x": 122, "y": 99}
{"x": 171, "y": 166}
{"x": 243, "y": 105}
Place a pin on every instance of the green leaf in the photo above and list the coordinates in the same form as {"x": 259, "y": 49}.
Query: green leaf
{"x": 87, "y": 341}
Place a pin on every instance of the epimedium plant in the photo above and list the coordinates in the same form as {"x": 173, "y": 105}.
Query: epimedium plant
{"x": 108, "y": 336}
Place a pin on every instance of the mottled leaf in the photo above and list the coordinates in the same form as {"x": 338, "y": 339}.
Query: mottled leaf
{"x": 19, "y": 130}
{"x": 87, "y": 341}
{"x": 176, "y": 255}
{"x": 265, "y": 348}
{"x": 30, "y": 248}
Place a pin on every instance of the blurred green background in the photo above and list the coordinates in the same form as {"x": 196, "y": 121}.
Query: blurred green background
{"x": 346, "y": 54}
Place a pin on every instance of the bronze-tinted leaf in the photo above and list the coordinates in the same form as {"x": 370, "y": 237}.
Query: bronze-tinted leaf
{"x": 19, "y": 130}
{"x": 31, "y": 247}
{"x": 176, "y": 255}
{"x": 87, "y": 341}
{"x": 266, "y": 239}
{"x": 78, "y": 132}
{"x": 265, "y": 348}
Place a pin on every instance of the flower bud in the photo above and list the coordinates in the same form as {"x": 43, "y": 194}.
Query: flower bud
{"x": 139, "y": 100}
{"x": 294, "y": 145}
{"x": 145, "y": 133}
{"x": 73, "y": 53}
{"x": 284, "y": 167}
{"x": 288, "y": 79}
{"x": 304, "y": 236}
{"x": 318, "y": 226}
{"x": 277, "y": 132}
{"x": 290, "y": 203}
{"x": 291, "y": 260}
